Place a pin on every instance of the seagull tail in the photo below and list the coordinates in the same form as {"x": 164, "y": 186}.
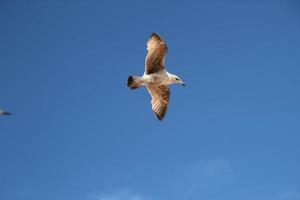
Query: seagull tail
{"x": 134, "y": 82}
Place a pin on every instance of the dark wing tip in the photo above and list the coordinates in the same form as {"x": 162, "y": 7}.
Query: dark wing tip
{"x": 161, "y": 114}
{"x": 160, "y": 118}
{"x": 130, "y": 81}
{"x": 155, "y": 35}
{"x": 6, "y": 113}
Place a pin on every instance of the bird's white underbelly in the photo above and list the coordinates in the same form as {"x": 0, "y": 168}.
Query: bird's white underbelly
{"x": 156, "y": 79}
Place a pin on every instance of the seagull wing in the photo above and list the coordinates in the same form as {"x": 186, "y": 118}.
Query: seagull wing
{"x": 157, "y": 50}
{"x": 160, "y": 99}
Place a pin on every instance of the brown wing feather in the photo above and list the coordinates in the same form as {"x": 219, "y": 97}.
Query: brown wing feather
{"x": 157, "y": 50}
{"x": 160, "y": 100}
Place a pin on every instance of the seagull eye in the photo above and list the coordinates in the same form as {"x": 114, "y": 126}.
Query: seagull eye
{"x": 177, "y": 79}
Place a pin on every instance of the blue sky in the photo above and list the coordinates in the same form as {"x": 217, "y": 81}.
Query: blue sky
{"x": 78, "y": 133}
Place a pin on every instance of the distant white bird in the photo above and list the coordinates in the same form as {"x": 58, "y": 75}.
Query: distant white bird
{"x": 155, "y": 77}
{"x": 2, "y": 112}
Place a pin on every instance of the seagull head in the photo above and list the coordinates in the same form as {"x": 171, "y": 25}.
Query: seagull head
{"x": 177, "y": 80}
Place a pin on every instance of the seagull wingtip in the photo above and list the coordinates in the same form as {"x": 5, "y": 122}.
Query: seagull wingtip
{"x": 6, "y": 113}
{"x": 153, "y": 34}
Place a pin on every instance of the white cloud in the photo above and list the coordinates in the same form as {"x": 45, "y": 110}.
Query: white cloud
{"x": 200, "y": 177}
{"x": 216, "y": 168}
{"x": 119, "y": 195}
{"x": 289, "y": 195}
{"x": 209, "y": 171}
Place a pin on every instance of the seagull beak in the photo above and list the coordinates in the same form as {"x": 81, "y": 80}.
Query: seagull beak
{"x": 182, "y": 83}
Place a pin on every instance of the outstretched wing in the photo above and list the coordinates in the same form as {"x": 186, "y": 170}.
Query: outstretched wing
{"x": 157, "y": 50}
{"x": 160, "y": 99}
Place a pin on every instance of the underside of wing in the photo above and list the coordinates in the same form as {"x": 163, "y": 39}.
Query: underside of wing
{"x": 157, "y": 50}
{"x": 160, "y": 99}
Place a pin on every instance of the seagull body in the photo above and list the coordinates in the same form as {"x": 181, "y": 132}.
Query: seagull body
{"x": 156, "y": 78}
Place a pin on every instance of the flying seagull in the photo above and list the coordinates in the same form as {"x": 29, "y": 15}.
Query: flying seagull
{"x": 156, "y": 78}
{"x": 2, "y": 112}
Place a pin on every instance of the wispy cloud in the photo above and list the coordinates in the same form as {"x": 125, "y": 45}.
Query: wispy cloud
{"x": 277, "y": 194}
{"x": 206, "y": 174}
{"x": 119, "y": 195}
{"x": 211, "y": 179}
{"x": 288, "y": 195}
{"x": 221, "y": 169}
